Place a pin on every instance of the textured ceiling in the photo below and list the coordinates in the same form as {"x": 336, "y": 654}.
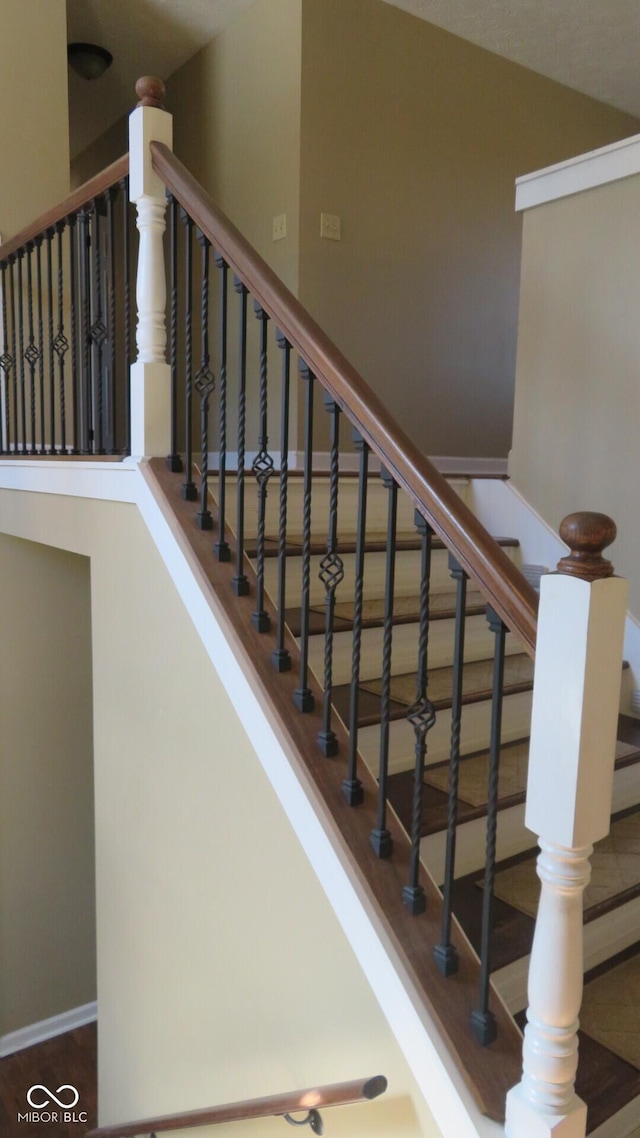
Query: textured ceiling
{"x": 592, "y": 45}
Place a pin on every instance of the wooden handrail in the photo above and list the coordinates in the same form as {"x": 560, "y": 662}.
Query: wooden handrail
{"x": 500, "y": 580}
{"x": 315, "y": 1098}
{"x": 85, "y": 193}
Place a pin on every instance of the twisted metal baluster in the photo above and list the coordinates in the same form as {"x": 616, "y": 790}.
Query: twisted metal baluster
{"x": 126, "y": 257}
{"x": 240, "y": 581}
{"x": 61, "y": 344}
{"x": 381, "y": 839}
{"x": 352, "y": 786}
{"x": 221, "y": 547}
{"x": 31, "y": 351}
{"x": 75, "y": 378}
{"x": 6, "y": 363}
{"x": 422, "y": 717}
{"x": 23, "y": 416}
{"x": 303, "y": 697}
{"x": 111, "y": 197}
{"x": 12, "y": 261}
{"x": 189, "y": 489}
{"x": 38, "y": 245}
{"x": 445, "y": 954}
{"x": 50, "y": 339}
{"x": 483, "y": 1021}
{"x": 174, "y": 462}
{"x": 262, "y": 468}
{"x": 281, "y": 657}
{"x": 98, "y": 332}
{"x": 331, "y": 575}
{"x": 205, "y": 384}
{"x": 84, "y": 237}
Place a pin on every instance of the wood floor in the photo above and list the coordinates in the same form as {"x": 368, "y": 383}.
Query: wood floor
{"x": 66, "y": 1059}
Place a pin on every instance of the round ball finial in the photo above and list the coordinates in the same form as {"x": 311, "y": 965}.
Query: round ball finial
{"x": 587, "y": 535}
{"x": 150, "y": 92}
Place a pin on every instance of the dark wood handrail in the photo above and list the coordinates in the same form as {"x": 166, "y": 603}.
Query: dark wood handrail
{"x": 501, "y": 581}
{"x": 315, "y": 1098}
{"x": 85, "y": 193}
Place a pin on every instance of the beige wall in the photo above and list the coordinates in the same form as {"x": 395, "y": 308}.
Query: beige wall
{"x": 414, "y": 138}
{"x": 575, "y": 444}
{"x": 34, "y": 127}
{"x": 223, "y": 972}
{"x": 47, "y": 886}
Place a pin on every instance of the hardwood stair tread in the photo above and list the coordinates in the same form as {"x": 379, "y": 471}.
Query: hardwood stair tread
{"x": 406, "y": 611}
{"x": 476, "y": 687}
{"x": 376, "y": 542}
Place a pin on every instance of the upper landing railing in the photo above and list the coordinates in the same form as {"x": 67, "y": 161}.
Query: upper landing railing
{"x": 66, "y": 325}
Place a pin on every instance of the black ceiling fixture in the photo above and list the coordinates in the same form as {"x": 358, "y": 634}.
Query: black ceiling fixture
{"x": 89, "y": 60}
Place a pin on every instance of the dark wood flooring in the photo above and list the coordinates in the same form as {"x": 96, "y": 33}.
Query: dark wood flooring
{"x": 69, "y": 1058}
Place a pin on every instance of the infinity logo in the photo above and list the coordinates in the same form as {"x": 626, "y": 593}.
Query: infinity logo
{"x": 60, "y": 1102}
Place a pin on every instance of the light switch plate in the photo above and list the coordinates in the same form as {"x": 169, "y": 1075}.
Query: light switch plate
{"x": 330, "y": 226}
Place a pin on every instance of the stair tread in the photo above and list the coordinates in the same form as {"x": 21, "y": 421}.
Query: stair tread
{"x": 406, "y": 610}
{"x": 477, "y": 680}
{"x": 375, "y": 542}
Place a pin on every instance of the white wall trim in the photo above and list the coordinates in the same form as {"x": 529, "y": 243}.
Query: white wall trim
{"x": 48, "y": 1028}
{"x": 584, "y": 172}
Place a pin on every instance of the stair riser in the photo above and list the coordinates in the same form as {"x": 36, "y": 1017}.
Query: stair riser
{"x": 479, "y": 644}
{"x": 474, "y": 736}
{"x": 407, "y": 576}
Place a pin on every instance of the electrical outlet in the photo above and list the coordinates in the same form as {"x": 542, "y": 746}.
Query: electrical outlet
{"x": 330, "y": 226}
{"x": 279, "y": 229}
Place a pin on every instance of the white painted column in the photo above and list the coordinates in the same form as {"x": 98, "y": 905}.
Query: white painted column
{"x": 576, "y": 698}
{"x": 150, "y": 374}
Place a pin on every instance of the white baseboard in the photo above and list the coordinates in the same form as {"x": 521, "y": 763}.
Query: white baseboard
{"x": 47, "y": 1028}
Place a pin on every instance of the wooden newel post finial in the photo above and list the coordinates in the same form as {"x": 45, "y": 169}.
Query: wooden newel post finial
{"x": 150, "y": 92}
{"x": 587, "y": 535}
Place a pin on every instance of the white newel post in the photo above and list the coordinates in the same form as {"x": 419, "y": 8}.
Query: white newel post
{"x": 150, "y": 374}
{"x": 573, "y": 732}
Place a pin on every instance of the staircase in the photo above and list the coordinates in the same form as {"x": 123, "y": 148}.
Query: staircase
{"x": 389, "y": 635}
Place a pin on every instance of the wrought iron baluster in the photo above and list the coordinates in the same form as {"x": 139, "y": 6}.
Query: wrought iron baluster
{"x": 240, "y": 581}
{"x": 84, "y": 238}
{"x": 73, "y": 333}
{"x": 352, "y": 786}
{"x": 205, "y": 385}
{"x": 38, "y": 245}
{"x": 126, "y": 257}
{"x": 31, "y": 351}
{"x": 50, "y": 341}
{"x": 6, "y": 363}
{"x": 61, "y": 344}
{"x": 381, "y": 839}
{"x": 303, "y": 696}
{"x": 331, "y": 575}
{"x": 174, "y": 462}
{"x": 445, "y": 954}
{"x": 23, "y": 416}
{"x": 281, "y": 657}
{"x": 422, "y": 717}
{"x": 111, "y": 198}
{"x": 262, "y": 468}
{"x": 189, "y": 489}
{"x": 482, "y": 1019}
{"x": 221, "y": 547}
{"x": 12, "y": 284}
{"x": 98, "y": 331}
